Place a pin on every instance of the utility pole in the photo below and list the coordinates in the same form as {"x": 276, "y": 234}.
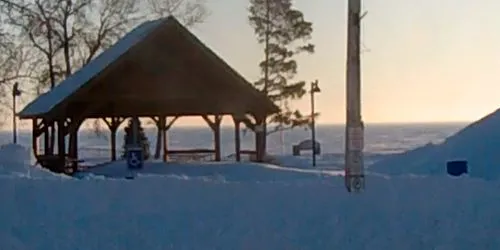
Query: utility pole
{"x": 354, "y": 133}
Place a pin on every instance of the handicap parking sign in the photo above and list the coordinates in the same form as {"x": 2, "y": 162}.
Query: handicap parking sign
{"x": 135, "y": 158}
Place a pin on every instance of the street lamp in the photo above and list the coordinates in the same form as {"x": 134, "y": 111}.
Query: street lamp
{"x": 15, "y": 93}
{"x": 314, "y": 89}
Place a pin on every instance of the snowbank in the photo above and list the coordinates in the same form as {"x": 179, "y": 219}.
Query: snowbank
{"x": 169, "y": 213}
{"x": 324, "y": 161}
{"x": 15, "y": 161}
{"x": 218, "y": 171}
{"x": 478, "y": 143}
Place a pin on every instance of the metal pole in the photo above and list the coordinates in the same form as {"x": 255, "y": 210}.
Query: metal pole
{"x": 15, "y": 93}
{"x": 14, "y": 123}
{"x": 313, "y": 127}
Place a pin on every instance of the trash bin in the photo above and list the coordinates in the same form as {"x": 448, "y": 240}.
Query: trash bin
{"x": 135, "y": 157}
{"x": 457, "y": 168}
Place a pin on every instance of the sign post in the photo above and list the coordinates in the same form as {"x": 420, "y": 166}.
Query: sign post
{"x": 135, "y": 154}
{"x": 135, "y": 157}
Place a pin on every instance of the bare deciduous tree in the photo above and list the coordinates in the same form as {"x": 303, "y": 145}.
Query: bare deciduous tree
{"x": 53, "y": 38}
{"x": 189, "y": 12}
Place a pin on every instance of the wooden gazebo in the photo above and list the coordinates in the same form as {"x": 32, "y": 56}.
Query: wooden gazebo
{"x": 158, "y": 70}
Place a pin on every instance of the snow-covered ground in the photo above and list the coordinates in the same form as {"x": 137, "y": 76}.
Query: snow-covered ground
{"x": 240, "y": 206}
{"x": 478, "y": 144}
{"x": 230, "y": 211}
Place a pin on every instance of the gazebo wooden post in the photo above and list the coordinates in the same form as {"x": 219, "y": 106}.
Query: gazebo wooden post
{"x": 260, "y": 138}
{"x": 161, "y": 126}
{"x": 72, "y": 127}
{"x": 73, "y": 148}
{"x": 72, "y": 144}
{"x": 168, "y": 125}
{"x": 158, "y": 120}
{"x": 35, "y": 134}
{"x": 237, "y": 138}
{"x": 113, "y": 125}
{"x": 215, "y": 126}
{"x": 163, "y": 135}
{"x": 61, "y": 135}
{"x": 46, "y": 137}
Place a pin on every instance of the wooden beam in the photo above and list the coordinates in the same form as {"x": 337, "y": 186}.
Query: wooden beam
{"x": 212, "y": 124}
{"x": 164, "y": 135}
{"x": 61, "y": 148}
{"x": 170, "y": 123}
{"x": 73, "y": 149}
{"x": 215, "y": 126}
{"x": 113, "y": 125}
{"x": 77, "y": 120}
{"x": 38, "y": 127}
{"x": 237, "y": 138}
{"x": 260, "y": 138}
{"x": 46, "y": 138}
{"x": 160, "y": 129}
{"x": 35, "y": 135}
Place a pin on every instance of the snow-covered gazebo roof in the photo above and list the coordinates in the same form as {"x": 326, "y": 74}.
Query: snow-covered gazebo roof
{"x": 159, "y": 68}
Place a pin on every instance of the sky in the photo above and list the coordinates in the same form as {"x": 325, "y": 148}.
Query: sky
{"x": 425, "y": 60}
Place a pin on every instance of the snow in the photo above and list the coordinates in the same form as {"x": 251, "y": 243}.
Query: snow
{"x": 222, "y": 171}
{"x": 477, "y": 143}
{"x": 49, "y": 100}
{"x": 15, "y": 161}
{"x": 174, "y": 213}
{"x": 228, "y": 205}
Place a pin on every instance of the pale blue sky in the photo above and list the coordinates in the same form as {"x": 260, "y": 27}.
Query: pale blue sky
{"x": 429, "y": 60}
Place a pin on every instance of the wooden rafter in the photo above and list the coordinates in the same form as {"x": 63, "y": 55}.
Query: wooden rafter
{"x": 213, "y": 124}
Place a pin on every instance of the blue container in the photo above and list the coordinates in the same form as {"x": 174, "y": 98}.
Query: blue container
{"x": 457, "y": 168}
{"x": 135, "y": 158}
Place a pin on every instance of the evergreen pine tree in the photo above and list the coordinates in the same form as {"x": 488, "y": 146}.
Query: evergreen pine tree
{"x": 143, "y": 140}
{"x": 285, "y": 33}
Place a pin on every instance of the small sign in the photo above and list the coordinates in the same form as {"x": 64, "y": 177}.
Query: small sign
{"x": 135, "y": 158}
{"x": 356, "y": 138}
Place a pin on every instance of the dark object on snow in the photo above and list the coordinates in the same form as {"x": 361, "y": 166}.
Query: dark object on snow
{"x": 306, "y": 145}
{"x": 456, "y": 168}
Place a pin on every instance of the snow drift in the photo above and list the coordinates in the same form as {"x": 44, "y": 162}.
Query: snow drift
{"x": 171, "y": 213}
{"x": 15, "y": 161}
{"x": 478, "y": 143}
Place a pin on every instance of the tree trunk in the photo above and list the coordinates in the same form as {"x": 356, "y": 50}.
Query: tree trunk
{"x": 50, "y": 60}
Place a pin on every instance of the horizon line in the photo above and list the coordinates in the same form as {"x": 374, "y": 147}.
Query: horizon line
{"x": 317, "y": 125}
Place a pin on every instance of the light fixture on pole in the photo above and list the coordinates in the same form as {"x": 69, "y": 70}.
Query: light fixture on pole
{"x": 15, "y": 93}
{"x": 314, "y": 89}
